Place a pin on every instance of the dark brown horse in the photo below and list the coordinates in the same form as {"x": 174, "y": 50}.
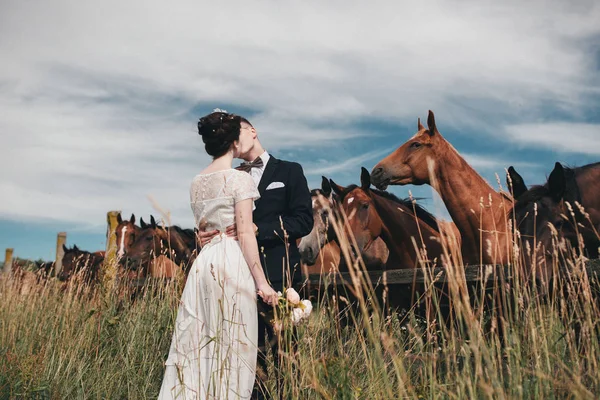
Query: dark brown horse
{"x": 541, "y": 205}
{"x": 81, "y": 263}
{"x": 320, "y": 251}
{"x": 177, "y": 244}
{"x": 126, "y": 233}
{"x": 557, "y": 203}
{"x": 479, "y": 212}
{"x": 376, "y": 214}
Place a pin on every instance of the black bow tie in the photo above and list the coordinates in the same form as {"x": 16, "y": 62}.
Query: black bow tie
{"x": 247, "y": 166}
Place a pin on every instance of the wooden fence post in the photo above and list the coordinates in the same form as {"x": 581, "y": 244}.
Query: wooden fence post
{"x": 109, "y": 267}
{"x": 61, "y": 239}
{"x": 8, "y": 261}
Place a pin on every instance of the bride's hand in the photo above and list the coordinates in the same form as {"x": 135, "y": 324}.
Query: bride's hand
{"x": 268, "y": 294}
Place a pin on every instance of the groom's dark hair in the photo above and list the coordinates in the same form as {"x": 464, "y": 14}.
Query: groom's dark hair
{"x": 242, "y": 119}
{"x": 219, "y": 130}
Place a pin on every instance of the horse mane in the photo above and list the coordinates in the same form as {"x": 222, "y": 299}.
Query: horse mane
{"x": 184, "y": 232}
{"x": 418, "y": 210}
{"x": 583, "y": 167}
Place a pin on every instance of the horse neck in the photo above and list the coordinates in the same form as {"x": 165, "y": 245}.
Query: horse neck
{"x": 400, "y": 225}
{"x": 331, "y": 257}
{"x": 177, "y": 243}
{"x": 464, "y": 192}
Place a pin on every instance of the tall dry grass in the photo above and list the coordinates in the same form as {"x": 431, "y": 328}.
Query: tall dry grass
{"x": 513, "y": 339}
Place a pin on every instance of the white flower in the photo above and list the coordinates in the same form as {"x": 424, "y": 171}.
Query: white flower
{"x": 297, "y": 315}
{"x": 292, "y": 296}
{"x": 307, "y": 307}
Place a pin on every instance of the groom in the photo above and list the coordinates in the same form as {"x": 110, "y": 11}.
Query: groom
{"x": 284, "y": 202}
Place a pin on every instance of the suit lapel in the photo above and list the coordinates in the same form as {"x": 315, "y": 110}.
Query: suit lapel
{"x": 267, "y": 174}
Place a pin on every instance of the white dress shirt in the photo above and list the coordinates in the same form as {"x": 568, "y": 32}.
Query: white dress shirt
{"x": 257, "y": 173}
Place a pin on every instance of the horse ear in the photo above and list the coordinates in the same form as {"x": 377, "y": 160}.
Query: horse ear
{"x": 336, "y": 188}
{"x": 119, "y": 219}
{"x": 325, "y": 187}
{"x": 431, "y": 124}
{"x": 75, "y": 247}
{"x": 420, "y": 126}
{"x": 515, "y": 182}
{"x": 365, "y": 179}
{"x": 142, "y": 223}
{"x": 132, "y": 219}
{"x": 557, "y": 183}
{"x": 65, "y": 249}
{"x": 152, "y": 221}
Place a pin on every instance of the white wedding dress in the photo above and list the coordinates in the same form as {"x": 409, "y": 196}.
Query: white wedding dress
{"x": 214, "y": 347}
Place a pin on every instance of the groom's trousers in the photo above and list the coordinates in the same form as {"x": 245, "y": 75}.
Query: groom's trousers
{"x": 268, "y": 343}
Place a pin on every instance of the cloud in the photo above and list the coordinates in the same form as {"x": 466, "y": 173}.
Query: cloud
{"x": 327, "y": 168}
{"x": 495, "y": 164}
{"x": 99, "y": 101}
{"x": 563, "y": 137}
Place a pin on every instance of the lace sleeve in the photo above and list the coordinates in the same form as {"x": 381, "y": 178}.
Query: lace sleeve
{"x": 245, "y": 188}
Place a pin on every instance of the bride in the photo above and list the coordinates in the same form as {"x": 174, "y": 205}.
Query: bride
{"x": 214, "y": 346}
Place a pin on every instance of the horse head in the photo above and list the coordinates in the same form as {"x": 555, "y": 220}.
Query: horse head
{"x": 77, "y": 261}
{"x": 149, "y": 243}
{"x": 540, "y": 213}
{"x": 126, "y": 232}
{"x": 323, "y": 202}
{"x": 363, "y": 221}
{"x": 408, "y": 164}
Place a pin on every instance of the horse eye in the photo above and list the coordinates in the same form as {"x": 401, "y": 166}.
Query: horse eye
{"x": 558, "y": 224}
{"x": 364, "y": 206}
{"x": 415, "y": 145}
{"x": 149, "y": 238}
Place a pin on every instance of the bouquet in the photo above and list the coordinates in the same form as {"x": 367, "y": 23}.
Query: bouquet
{"x": 290, "y": 310}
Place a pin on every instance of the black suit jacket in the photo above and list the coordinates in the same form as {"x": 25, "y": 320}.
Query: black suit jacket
{"x": 289, "y": 206}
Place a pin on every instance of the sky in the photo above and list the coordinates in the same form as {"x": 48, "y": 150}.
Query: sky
{"x": 99, "y": 100}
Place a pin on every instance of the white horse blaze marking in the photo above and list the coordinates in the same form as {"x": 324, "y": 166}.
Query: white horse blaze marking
{"x": 314, "y": 202}
{"x": 121, "y": 249}
{"x": 350, "y": 200}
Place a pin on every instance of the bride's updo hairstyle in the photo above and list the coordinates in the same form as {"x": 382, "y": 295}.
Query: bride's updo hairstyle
{"x": 219, "y": 130}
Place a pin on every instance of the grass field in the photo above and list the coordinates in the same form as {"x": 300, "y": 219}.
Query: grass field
{"x": 72, "y": 342}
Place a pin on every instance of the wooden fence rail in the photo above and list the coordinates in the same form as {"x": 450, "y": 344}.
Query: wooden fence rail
{"x": 473, "y": 274}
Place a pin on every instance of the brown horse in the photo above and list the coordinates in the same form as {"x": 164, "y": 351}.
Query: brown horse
{"x": 320, "y": 251}
{"x": 126, "y": 232}
{"x": 479, "y": 212}
{"x": 542, "y": 205}
{"x": 177, "y": 244}
{"x": 81, "y": 262}
{"x": 373, "y": 213}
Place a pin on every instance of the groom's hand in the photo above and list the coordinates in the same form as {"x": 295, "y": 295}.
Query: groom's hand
{"x": 231, "y": 231}
{"x": 205, "y": 237}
